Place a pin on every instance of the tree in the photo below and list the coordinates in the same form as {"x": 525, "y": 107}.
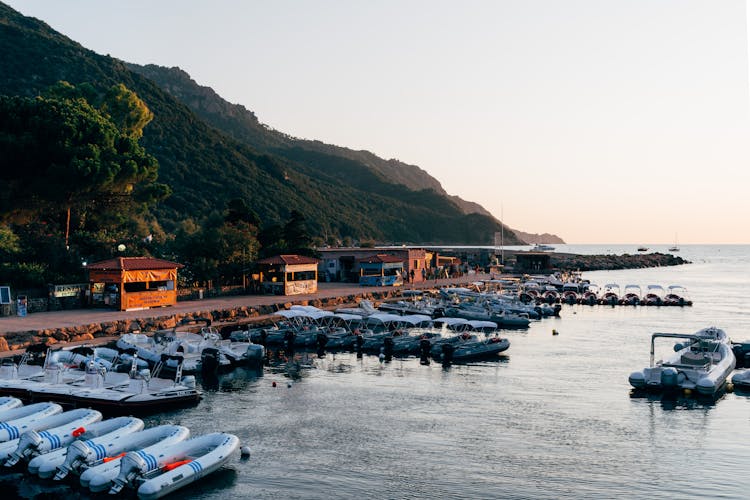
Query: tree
{"x": 59, "y": 153}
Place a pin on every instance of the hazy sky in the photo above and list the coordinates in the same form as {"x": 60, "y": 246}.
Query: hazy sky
{"x": 603, "y": 121}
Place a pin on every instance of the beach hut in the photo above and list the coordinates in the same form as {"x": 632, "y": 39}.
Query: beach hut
{"x": 128, "y": 283}
{"x": 289, "y": 274}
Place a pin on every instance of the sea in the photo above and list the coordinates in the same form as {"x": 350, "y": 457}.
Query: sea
{"x": 553, "y": 418}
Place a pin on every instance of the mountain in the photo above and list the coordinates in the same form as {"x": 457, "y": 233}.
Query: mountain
{"x": 533, "y": 238}
{"x": 211, "y": 152}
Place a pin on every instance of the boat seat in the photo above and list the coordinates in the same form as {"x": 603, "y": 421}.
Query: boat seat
{"x": 693, "y": 358}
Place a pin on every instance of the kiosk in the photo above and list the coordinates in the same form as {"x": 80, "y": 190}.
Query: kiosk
{"x": 128, "y": 283}
{"x": 289, "y": 274}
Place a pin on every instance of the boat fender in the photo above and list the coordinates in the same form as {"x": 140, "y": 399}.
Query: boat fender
{"x": 678, "y": 347}
{"x": 245, "y": 452}
{"x": 669, "y": 377}
{"x": 730, "y": 387}
{"x": 78, "y": 432}
{"x": 273, "y": 384}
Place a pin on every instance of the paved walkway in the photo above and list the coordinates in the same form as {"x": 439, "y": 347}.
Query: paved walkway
{"x": 78, "y": 317}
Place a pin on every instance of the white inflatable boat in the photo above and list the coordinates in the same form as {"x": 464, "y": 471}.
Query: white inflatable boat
{"x": 96, "y": 436}
{"x": 8, "y": 403}
{"x": 100, "y": 473}
{"x": 702, "y": 361}
{"x": 17, "y": 421}
{"x": 47, "y": 434}
{"x": 158, "y": 474}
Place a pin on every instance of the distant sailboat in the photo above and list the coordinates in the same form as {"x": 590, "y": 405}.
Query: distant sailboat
{"x": 674, "y": 248}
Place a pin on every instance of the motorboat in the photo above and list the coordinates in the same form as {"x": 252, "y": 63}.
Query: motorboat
{"x": 631, "y": 295}
{"x": 590, "y": 294}
{"x": 476, "y": 349}
{"x": 741, "y": 380}
{"x": 178, "y": 465}
{"x": 571, "y": 293}
{"x": 550, "y": 295}
{"x": 97, "y": 475}
{"x": 19, "y": 420}
{"x": 701, "y": 361}
{"x": 145, "y": 391}
{"x": 643, "y": 248}
{"x": 541, "y": 247}
{"x": 530, "y": 291}
{"x": 654, "y": 296}
{"x": 96, "y": 437}
{"x": 610, "y": 294}
{"x": 677, "y": 295}
{"x": 47, "y": 434}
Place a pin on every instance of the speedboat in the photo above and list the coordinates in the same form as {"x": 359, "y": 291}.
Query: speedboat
{"x": 701, "y": 361}
{"x": 590, "y": 294}
{"x": 654, "y": 296}
{"x": 541, "y": 247}
{"x": 98, "y": 473}
{"x": 96, "y": 437}
{"x": 571, "y": 293}
{"x": 677, "y": 295}
{"x": 47, "y": 434}
{"x": 631, "y": 295}
{"x": 175, "y": 466}
{"x": 610, "y": 294}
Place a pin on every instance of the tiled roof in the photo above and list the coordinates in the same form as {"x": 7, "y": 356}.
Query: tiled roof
{"x": 133, "y": 264}
{"x": 382, "y": 258}
{"x": 288, "y": 260}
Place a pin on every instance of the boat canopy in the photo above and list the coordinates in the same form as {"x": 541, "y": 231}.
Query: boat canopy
{"x": 479, "y": 325}
{"x": 347, "y": 317}
{"x": 298, "y": 313}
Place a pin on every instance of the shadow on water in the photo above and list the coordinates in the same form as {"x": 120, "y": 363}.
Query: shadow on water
{"x": 237, "y": 380}
{"x": 677, "y": 400}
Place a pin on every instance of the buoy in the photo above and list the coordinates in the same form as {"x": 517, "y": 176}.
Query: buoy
{"x": 273, "y": 384}
{"x": 381, "y": 357}
{"x": 555, "y": 332}
{"x": 688, "y": 392}
{"x": 730, "y": 387}
{"x": 245, "y": 451}
{"x": 289, "y": 384}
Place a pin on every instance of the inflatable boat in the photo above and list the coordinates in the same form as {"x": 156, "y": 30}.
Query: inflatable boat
{"x": 156, "y": 475}
{"x": 100, "y": 473}
{"x": 47, "y": 434}
{"x": 19, "y": 420}
{"x": 702, "y": 361}
{"x": 8, "y": 403}
{"x": 96, "y": 436}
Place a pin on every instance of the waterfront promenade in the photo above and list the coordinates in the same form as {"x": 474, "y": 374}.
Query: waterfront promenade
{"x": 78, "y": 317}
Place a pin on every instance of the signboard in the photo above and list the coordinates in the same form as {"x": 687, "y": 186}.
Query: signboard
{"x": 4, "y": 295}
{"x": 69, "y": 290}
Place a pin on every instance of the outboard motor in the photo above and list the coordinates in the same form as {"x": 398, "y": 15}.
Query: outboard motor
{"x": 424, "y": 348}
{"x": 359, "y": 342}
{"x": 132, "y": 465}
{"x": 321, "y": 340}
{"x": 557, "y": 310}
{"x": 27, "y": 444}
{"x": 210, "y": 360}
{"x": 669, "y": 378}
{"x": 77, "y": 453}
{"x": 447, "y": 354}
{"x": 388, "y": 348}
{"x": 289, "y": 337}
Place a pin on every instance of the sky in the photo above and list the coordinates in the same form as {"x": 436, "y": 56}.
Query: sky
{"x": 601, "y": 121}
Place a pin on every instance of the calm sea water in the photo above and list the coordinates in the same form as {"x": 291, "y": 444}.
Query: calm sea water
{"x": 553, "y": 419}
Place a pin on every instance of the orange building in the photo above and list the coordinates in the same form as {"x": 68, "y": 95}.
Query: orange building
{"x": 127, "y": 283}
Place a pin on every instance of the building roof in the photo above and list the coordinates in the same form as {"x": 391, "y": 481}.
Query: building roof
{"x": 133, "y": 264}
{"x": 288, "y": 260}
{"x": 380, "y": 258}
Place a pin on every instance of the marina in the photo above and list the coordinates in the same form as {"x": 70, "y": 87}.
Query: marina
{"x": 306, "y": 415}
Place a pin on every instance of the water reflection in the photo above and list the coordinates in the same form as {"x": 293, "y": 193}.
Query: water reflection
{"x": 671, "y": 401}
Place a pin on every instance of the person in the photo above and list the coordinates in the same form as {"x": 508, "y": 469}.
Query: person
{"x": 411, "y": 276}
{"x": 424, "y": 274}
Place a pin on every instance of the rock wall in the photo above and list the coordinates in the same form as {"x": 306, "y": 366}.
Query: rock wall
{"x": 228, "y": 319}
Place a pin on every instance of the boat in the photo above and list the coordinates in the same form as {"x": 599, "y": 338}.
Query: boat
{"x": 541, "y": 247}
{"x": 96, "y": 437}
{"x": 19, "y": 420}
{"x": 97, "y": 474}
{"x": 610, "y": 294}
{"x": 674, "y": 248}
{"x": 677, "y": 295}
{"x": 8, "y": 403}
{"x": 701, "y": 361}
{"x": 741, "y": 380}
{"x": 47, "y": 434}
{"x": 144, "y": 391}
{"x": 590, "y": 294}
{"x": 654, "y": 296}
{"x": 643, "y": 249}
{"x": 631, "y": 295}
{"x": 571, "y": 293}
{"x": 473, "y": 349}
{"x": 176, "y": 466}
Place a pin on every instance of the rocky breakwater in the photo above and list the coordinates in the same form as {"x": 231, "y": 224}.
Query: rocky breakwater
{"x": 226, "y": 318}
{"x": 573, "y": 262}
